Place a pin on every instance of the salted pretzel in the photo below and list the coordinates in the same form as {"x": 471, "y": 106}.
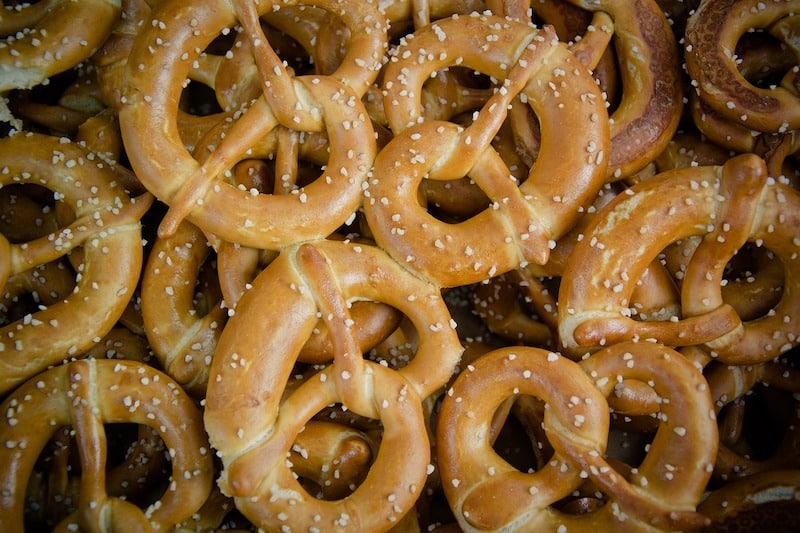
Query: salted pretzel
{"x": 488, "y": 494}
{"x": 106, "y": 225}
{"x": 47, "y": 38}
{"x": 712, "y": 34}
{"x": 595, "y": 292}
{"x": 361, "y": 272}
{"x": 523, "y": 220}
{"x": 648, "y": 109}
{"x": 312, "y": 281}
{"x": 304, "y": 103}
{"x": 239, "y": 265}
{"x": 87, "y": 394}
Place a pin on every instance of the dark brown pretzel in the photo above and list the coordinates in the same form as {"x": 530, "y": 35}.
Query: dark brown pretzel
{"x": 712, "y": 33}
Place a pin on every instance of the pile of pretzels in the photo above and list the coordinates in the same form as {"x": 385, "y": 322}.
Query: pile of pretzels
{"x": 399, "y": 265}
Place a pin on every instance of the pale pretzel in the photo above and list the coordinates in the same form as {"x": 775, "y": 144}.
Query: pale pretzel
{"x": 87, "y": 394}
{"x": 596, "y": 289}
{"x": 106, "y": 226}
{"x": 182, "y": 332}
{"x": 712, "y": 33}
{"x": 304, "y": 103}
{"x": 46, "y": 38}
{"x": 522, "y": 222}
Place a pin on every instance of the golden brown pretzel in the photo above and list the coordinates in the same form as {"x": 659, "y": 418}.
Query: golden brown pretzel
{"x": 484, "y": 491}
{"x": 712, "y": 33}
{"x": 87, "y": 394}
{"x": 314, "y": 103}
{"x": 181, "y": 330}
{"x": 523, "y": 221}
{"x": 362, "y": 273}
{"x": 49, "y": 37}
{"x": 106, "y": 224}
{"x": 596, "y": 289}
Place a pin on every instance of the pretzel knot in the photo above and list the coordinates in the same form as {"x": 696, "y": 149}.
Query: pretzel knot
{"x": 602, "y": 272}
{"x": 327, "y": 104}
{"x": 87, "y": 394}
{"x": 488, "y": 494}
{"x": 522, "y": 221}
{"x": 105, "y": 225}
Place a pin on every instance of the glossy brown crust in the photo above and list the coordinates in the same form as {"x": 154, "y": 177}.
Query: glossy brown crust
{"x": 712, "y": 34}
{"x": 50, "y": 37}
{"x": 106, "y": 226}
{"x": 87, "y": 394}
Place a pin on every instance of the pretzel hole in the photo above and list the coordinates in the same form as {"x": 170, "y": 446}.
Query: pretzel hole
{"x": 763, "y": 59}
{"x": 138, "y": 468}
{"x": 765, "y": 419}
{"x": 753, "y": 281}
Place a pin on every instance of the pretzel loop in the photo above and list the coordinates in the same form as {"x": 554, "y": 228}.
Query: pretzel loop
{"x": 268, "y": 494}
{"x": 681, "y": 455}
{"x": 485, "y": 492}
{"x": 47, "y": 38}
{"x": 712, "y": 32}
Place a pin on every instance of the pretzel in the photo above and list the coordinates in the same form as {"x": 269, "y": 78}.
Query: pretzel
{"x": 269, "y": 495}
{"x": 713, "y": 29}
{"x": 106, "y": 225}
{"x": 480, "y": 247}
{"x": 361, "y": 272}
{"x": 87, "y": 394}
{"x": 677, "y": 204}
{"x": 313, "y": 103}
{"x": 47, "y": 38}
{"x": 181, "y": 331}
